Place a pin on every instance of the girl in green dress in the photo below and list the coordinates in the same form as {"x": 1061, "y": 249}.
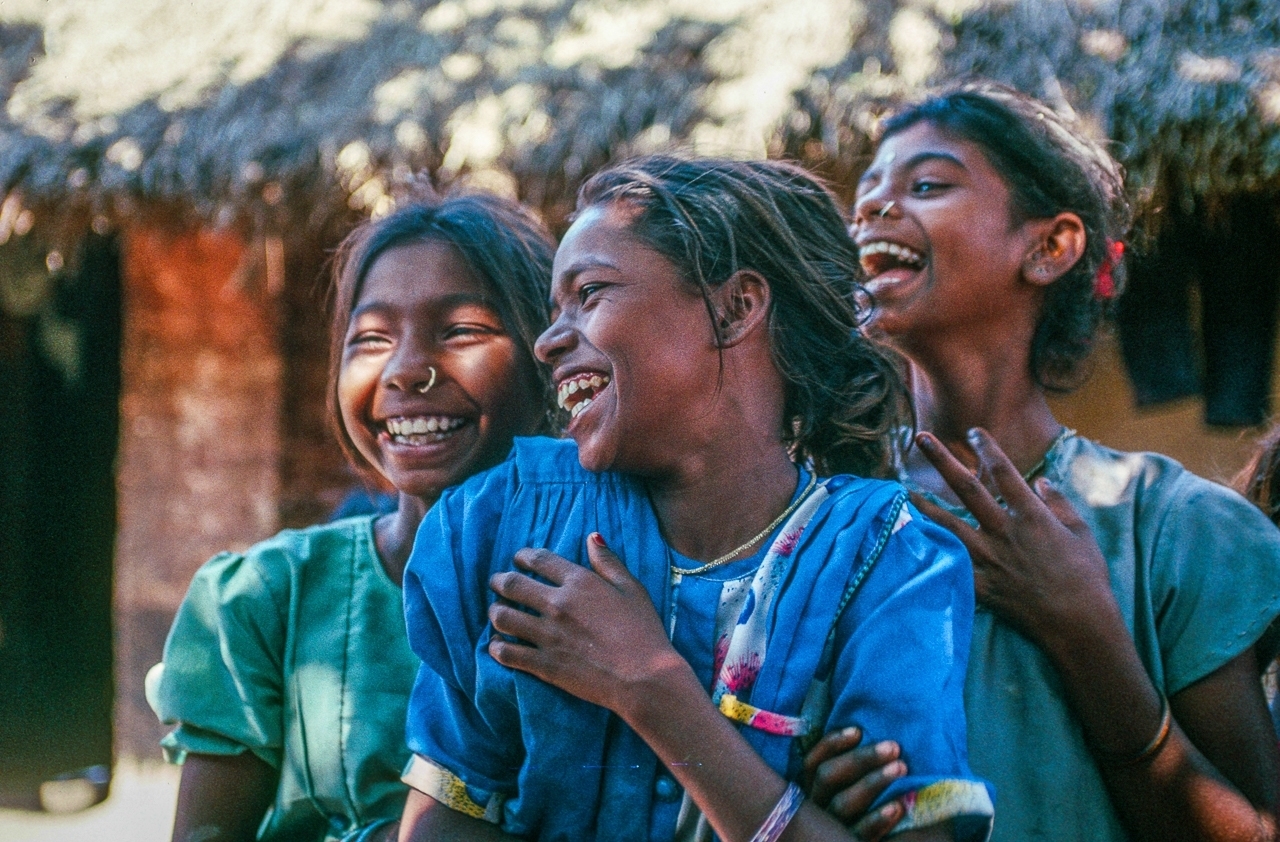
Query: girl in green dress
{"x": 287, "y": 671}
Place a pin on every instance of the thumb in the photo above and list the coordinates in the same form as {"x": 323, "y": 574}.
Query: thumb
{"x": 606, "y": 562}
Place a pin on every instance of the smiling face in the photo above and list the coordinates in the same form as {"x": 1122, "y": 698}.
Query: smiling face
{"x": 420, "y": 309}
{"x": 633, "y": 354}
{"x": 937, "y": 236}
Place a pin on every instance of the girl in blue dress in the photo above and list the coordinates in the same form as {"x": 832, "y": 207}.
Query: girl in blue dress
{"x": 633, "y": 634}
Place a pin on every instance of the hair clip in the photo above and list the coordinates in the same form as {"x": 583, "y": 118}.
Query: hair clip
{"x": 1104, "y": 283}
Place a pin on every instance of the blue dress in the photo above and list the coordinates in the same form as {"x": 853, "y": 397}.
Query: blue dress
{"x": 860, "y": 612}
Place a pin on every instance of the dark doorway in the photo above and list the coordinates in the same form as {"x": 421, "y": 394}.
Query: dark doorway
{"x": 60, "y": 332}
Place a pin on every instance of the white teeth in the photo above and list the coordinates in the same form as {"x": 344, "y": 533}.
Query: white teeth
{"x": 580, "y": 407}
{"x": 401, "y": 427}
{"x": 885, "y": 247}
{"x": 585, "y": 386}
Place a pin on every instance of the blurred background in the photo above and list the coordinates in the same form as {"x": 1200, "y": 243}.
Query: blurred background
{"x": 174, "y": 175}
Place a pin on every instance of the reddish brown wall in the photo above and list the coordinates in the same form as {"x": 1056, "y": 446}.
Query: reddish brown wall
{"x": 200, "y": 437}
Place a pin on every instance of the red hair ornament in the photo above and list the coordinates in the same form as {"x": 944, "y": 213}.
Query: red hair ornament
{"x": 1104, "y": 283}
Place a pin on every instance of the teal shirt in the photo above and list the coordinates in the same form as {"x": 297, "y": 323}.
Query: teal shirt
{"x": 1196, "y": 572}
{"x": 296, "y": 650}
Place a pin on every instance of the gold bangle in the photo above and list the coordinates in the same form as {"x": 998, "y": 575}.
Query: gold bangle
{"x": 1152, "y": 748}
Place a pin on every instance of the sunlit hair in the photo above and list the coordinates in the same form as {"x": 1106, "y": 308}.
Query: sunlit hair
{"x": 712, "y": 218}
{"x": 501, "y": 241}
{"x": 1050, "y": 167}
{"x": 1260, "y": 479}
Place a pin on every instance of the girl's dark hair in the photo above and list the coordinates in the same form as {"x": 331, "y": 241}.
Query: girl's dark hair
{"x": 501, "y": 241}
{"x": 1260, "y": 479}
{"x": 712, "y": 218}
{"x": 1050, "y": 167}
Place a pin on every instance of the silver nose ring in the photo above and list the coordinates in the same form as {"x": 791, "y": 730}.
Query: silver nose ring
{"x": 423, "y": 389}
{"x": 884, "y": 210}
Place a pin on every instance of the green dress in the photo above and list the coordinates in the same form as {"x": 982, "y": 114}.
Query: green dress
{"x": 1196, "y": 572}
{"x": 296, "y": 650}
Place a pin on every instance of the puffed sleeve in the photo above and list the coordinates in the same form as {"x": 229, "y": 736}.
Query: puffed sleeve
{"x": 899, "y": 670}
{"x": 222, "y": 676}
{"x": 1215, "y": 571}
{"x": 464, "y": 738}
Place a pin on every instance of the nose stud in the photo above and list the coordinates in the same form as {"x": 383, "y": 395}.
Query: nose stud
{"x": 423, "y": 388}
{"x": 884, "y": 210}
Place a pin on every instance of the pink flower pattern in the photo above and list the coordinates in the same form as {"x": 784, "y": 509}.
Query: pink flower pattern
{"x": 741, "y": 674}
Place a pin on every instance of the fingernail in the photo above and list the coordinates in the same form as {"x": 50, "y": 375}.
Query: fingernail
{"x": 896, "y": 769}
{"x": 926, "y": 442}
{"x": 973, "y": 435}
{"x": 597, "y": 539}
{"x": 887, "y": 749}
{"x": 851, "y": 732}
{"x": 890, "y": 810}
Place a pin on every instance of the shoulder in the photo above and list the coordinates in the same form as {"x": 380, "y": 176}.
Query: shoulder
{"x": 270, "y": 568}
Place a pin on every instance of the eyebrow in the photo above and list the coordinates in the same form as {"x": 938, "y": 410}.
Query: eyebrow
{"x": 445, "y": 302}
{"x": 583, "y": 265}
{"x": 915, "y": 161}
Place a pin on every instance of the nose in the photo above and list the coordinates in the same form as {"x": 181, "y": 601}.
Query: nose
{"x": 411, "y": 367}
{"x": 874, "y": 203}
{"x": 555, "y": 341}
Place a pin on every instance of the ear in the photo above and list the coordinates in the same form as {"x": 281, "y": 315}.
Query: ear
{"x": 741, "y": 305}
{"x": 1059, "y": 243}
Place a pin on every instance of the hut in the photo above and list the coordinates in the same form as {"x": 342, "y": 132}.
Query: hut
{"x": 174, "y": 175}
{"x": 172, "y": 179}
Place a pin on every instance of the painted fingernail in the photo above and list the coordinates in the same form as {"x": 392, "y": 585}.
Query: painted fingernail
{"x": 597, "y": 539}
{"x": 896, "y": 769}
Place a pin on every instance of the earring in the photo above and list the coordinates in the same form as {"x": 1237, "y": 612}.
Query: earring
{"x": 884, "y": 210}
{"x": 422, "y": 389}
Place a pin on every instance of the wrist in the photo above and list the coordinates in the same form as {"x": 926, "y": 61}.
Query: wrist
{"x": 648, "y": 701}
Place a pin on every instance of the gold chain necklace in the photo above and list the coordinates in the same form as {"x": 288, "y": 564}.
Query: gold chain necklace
{"x": 732, "y": 554}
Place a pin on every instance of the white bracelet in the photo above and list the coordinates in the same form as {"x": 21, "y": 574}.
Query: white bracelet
{"x": 776, "y": 822}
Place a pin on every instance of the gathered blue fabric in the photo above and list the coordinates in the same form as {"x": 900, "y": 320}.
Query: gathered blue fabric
{"x": 546, "y": 765}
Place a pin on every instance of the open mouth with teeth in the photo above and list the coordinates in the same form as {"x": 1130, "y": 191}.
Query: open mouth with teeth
{"x": 423, "y": 429}
{"x": 576, "y": 393}
{"x": 880, "y": 257}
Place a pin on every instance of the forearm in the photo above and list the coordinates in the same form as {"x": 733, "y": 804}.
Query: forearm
{"x": 1174, "y": 794}
{"x": 427, "y": 820}
{"x": 730, "y": 783}
{"x": 223, "y": 798}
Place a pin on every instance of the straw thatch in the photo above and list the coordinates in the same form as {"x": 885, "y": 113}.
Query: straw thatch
{"x": 282, "y": 112}
{"x": 1187, "y": 90}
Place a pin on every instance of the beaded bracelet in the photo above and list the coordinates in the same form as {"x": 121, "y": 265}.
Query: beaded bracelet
{"x": 1150, "y": 749}
{"x": 778, "y": 819}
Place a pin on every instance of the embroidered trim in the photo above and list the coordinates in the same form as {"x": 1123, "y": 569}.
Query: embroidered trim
{"x": 943, "y": 800}
{"x": 449, "y": 789}
{"x": 763, "y": 720}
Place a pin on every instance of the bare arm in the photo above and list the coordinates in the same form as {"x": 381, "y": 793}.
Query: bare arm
{"x": 427, "y": 820}
{"x": 223, "y": 798}
{"x": 1037, "y": 566}
{"x": 596, "y": 635}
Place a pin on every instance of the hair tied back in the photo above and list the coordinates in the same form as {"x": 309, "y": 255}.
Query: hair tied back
{"x": 1104, "y": 283}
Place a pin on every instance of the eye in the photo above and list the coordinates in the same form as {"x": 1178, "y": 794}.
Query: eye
{"x": 367, "y": 338}
{"x": 589, "y": 289}
{"x": 469, "y": 330}
{"x": 925, "y": 186}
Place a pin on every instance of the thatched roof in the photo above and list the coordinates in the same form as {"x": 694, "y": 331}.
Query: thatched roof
{"x": 1187, "y": 90}
{"x": 282, "y": 113}
{"x": 283, "y": 110}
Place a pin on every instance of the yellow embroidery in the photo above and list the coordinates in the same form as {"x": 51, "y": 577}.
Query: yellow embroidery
{"x": 736, "y": 710}
{"x": 944, "y": 800}
{"x": 443, "y": 786}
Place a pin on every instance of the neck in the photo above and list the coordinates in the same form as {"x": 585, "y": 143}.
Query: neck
{"x": 394, "y": 533}
{"x": 955, "y": 392}
{"x": 724, "y": 499}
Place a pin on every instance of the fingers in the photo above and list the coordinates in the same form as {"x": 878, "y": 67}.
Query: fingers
{"x": 516, "y": 655}
{"x": 546, "y": 564}
{"x": 512, "y": 621}
{"x": 1007, "y": 479}
{"x": 848, "y": 784}
{"x": 521, "y": 589}
{"x": 941, "y": 516}
{"x": 1060, "y": 505}
{"x": 846, "y": 739}
{"x": 606, "y": 562}
{"x": 972, "y": 493}
{"x": 878, "y": 825}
